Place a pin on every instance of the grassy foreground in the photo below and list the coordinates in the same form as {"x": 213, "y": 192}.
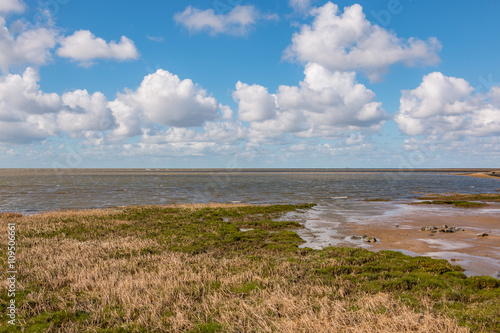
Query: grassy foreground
{"x": 191, "y": 269}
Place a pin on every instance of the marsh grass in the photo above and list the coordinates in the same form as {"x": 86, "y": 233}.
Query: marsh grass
{"x": 474, "y": 200}
{"x": 189, "y": 268}
{"x": 456, "y": 203}
{"x": 486, "y": 197}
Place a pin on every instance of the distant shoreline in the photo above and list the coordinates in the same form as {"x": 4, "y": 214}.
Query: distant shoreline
{"x": 232, "y": 170}
{"x": 488, "y": 174}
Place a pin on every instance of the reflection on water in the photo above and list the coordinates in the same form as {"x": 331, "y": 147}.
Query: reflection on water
{"x": 340, "y": 192}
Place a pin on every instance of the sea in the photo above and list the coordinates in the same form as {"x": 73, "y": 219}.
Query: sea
{"x": 31, "y": 191}
{"x": 343, "y": 196}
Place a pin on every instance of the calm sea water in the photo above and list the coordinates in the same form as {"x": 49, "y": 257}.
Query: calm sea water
{"x": 341, "y": 191}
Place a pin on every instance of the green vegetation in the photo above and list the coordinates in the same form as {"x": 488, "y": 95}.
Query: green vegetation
{"x": 456, "y": 203}
{"x": 474, "y": 200}
{"x": 487, "y": 197}
{"x": 192, "y": 269}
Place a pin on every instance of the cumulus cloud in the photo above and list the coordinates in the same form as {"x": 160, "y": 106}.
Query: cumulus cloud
{"x": 165, "y": 99}
{"x": 20, "y": 95}
{"x": 239, "y": 21}
{"x": 444, "y": 106}
{"x": 84, "y": 112}
{"x": 15, "y": 6}
{"x": 28, "y": 114}
{"x": 30, "y": 46}
{"x": 324, "y": 104}
{"x": 84, "y": 47}
{"x": 255, "y": 103}
{"x": 162, "y": 100}
{"x": 128, "y": 119}
{"x": 348, "y": 41}
{"x": 27, "y": 45}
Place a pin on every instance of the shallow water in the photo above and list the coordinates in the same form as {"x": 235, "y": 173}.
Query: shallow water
{"x": 35, "y": 190}
{"x": 341, "y": 196}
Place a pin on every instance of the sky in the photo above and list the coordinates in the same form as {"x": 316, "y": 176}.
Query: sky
{"x": 249, "y": 84}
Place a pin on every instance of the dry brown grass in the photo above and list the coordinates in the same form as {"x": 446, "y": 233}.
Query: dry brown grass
{"x": 9, "y": 215}
{"x": 175, "y": 292}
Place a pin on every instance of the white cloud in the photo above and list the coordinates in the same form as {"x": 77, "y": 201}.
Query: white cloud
{"x": 325, "y": 104}
{"x": 226, "y": 112}
{"x": 348, "y": 41}
{"x": 158, "y": 39}
{"x": 27, "y": 114}
{"x": 127, "y": 117}
{"x": 84, "y": 112}
{"x": 84, "y": 47}
{"x": 254, "y": 102}
{"x": 446, "y": 107}
{"x": 7, "y": 6}
{"x": 300, "y": 5}
{"x": 239, "y": 21}
{"x": 29, "y": 46}
{"x": 165, "y": 99}
{"x": 217, "y": 132}
{"x": 20, "y": 95}
{"x": 23, "y": 44}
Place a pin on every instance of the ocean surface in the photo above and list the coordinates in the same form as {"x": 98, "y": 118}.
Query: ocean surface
{"x": 343, "y": 196}
{"x": 345, "y": 191}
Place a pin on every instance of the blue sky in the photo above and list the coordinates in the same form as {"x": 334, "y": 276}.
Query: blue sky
{"x": 236, "y": 84}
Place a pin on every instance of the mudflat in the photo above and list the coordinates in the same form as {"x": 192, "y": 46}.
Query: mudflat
{"x": 476, "y": 254}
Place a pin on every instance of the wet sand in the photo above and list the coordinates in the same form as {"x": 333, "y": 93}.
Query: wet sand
{"x": 402, "y": 232}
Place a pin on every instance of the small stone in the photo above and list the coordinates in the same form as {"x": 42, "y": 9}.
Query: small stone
{"x": 370, "y": 239}
{"x": 444, "y": 226}
{"x": 483, "y": 234}
{"x": 397, "y": 225}
{"x": 423, "y": 229}
{"x": 355, "y": 237}
{"x": 432, "y": 235}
